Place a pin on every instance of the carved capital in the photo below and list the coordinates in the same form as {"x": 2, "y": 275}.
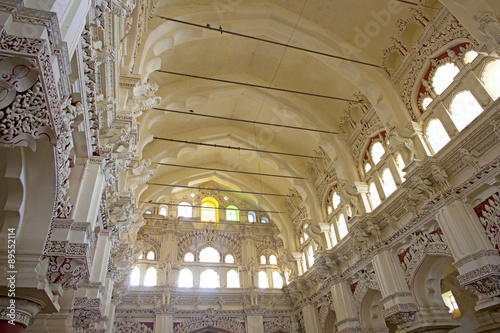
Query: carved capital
{"x": 485, "y": 280}
{"x": 401, "y": 314}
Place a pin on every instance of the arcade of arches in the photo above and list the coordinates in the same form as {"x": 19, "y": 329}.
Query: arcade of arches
{"x": 249, "y": 166}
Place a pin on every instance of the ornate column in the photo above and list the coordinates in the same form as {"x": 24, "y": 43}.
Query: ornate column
{"x": 345, "y": 309}
{"x": 476, "y": 260}
{"x": 16, "y": 313}
{"x": 311, "y": 320}
{"x": 87, "y": 202}
{"x": 91, "y": 298}
{"x": 399, "y": 306}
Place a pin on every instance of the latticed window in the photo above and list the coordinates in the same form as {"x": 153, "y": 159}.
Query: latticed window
{"x": 184, "y": 210}
{"x": 209, "y": 210}
{"x": 232, "y": 213}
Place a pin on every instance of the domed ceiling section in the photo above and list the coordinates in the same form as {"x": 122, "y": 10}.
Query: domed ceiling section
{"x": 360, "y": 33}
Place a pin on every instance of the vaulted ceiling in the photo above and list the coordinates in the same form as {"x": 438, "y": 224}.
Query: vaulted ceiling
{"x": 357, "y": 29}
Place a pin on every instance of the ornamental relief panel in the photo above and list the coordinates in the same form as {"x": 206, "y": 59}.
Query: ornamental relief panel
{"x": 488, "y": 212}
{"x": 210, "y": 318}
{"x": 421, "y": 245}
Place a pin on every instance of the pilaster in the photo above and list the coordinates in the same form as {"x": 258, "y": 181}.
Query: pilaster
{"x": 345, "y": 309}
{"x": 399, "y": 306}
{"x": 476, "y": 260}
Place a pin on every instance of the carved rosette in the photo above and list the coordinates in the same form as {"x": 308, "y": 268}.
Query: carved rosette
{"x": 401, "y": 314}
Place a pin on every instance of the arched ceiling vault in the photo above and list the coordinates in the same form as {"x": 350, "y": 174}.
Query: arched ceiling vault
{"x": 311, "y": 24}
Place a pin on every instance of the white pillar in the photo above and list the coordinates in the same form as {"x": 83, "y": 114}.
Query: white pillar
{"x": 399, "y": 306}
{"x": 476, "y": 259}
{"x": 311, "y": 320}
{"x": 345, "y": 309}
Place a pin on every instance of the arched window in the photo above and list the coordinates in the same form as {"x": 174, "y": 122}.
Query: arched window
{"x": 310, "y": 255}
{"x": 150, "y": 277}
{"x": 388, "y": 182}
{"x": 368, "y": 167}
{"x": 264, "y": 220}
{"x": 150, "y": 255}
{"x": 141, "y": 256}
{"x": 209, "y": 279}
{"x": 148, "y": 211}
{"x": 185, "y": 278}
{"x": 374, "y": 197}
{"x": 333, "y": 235}
{"x": 436, "y": 135}
{"x": 135, "y": 276}
{"x": 425, "y": 103}
{"x": 263, "y": 281}
{"x": 184, "y": 210}
{"x": 189, "y": 257}
{"x": 209, "y": 254}
{"x": 377, "y": 151}
{"x": 464, "y": 108}
{"x": 209, "y": 211}
{"x": 251, "y": 217}
{"x": 470, "y": 56}
{"x": 232, "y": 213}
{"x": 491, "y": 78}
{"x": 444, "y": 76}
{"x": 163, "y": 211}
{"x": 229, "y": 259}
{"x": 335, "y": 200}
{"x": 277, "y": 280}
{"x": 262, "y": 260}
{"x": 342, "y": 226}
{"x": 233, "y": 280}
{"x": 272, "y": 259}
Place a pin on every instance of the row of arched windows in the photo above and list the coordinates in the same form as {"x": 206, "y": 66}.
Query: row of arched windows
{"x": 209, "y": 212}
{"x": 383, "y": 169}
{"x": 209, "y": 278}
